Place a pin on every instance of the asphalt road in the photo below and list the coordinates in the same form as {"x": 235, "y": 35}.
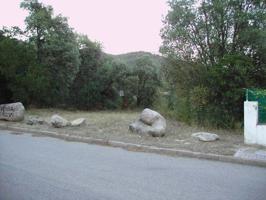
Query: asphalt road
{"x": 47, "y": 168}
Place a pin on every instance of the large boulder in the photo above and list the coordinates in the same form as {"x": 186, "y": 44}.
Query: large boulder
{"x": 205, "y": 137}
{"x": 150, "y": 122}
{"x": 12, "y": 111}
{"x": 59, "y": 122}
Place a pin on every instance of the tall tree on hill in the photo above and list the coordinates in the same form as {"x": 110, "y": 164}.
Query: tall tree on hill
{"x": 38, "y": 22}
{"x": 56, "y": 49}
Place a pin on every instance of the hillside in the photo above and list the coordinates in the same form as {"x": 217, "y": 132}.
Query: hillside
{"x": 130, "y": 58}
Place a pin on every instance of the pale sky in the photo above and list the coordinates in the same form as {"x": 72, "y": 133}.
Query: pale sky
{"x": 120, "y": 25}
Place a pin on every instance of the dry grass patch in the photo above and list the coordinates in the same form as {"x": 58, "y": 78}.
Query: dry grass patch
{"x": 113, "y": 125}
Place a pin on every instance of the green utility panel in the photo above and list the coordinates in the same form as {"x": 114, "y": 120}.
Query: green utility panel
{"x": 258, "y": 95}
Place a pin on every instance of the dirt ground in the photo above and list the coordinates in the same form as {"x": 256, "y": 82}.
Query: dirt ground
{"x": 114, "y": 126}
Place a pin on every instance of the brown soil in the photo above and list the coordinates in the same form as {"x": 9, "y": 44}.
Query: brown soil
{"x": 114, "y": 126}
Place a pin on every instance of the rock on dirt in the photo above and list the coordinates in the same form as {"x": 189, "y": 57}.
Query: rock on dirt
{"x": 35, "y": 120}
{"x": 59, "y": 122}
{"x": 149, "y": 116}
{"x": 12, "y": 111}
{"x": 205, "y": 137}
{"x": 150, "y": 122}
{"x": 78, "y": 122}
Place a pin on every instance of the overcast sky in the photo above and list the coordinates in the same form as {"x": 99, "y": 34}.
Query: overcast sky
{"x": 120, "y": 25}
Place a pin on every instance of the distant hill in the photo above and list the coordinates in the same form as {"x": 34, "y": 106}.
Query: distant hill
{"x": 130, "y": 58}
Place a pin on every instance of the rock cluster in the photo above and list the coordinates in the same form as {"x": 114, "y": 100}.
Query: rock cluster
{"x": 59, "y": 122}
{"x": 150, "y": 122}
{"x": 12, "y": 111}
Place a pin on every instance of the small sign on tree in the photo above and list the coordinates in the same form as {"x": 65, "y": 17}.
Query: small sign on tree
{"x": 121, "y": 93}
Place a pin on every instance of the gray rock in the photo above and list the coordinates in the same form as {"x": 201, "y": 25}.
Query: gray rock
{"x": 149, "y": 116}
{"x": 35, "y": 120}
{"x": 78, "y": 122}
{"x": 59, "y": 122}
{"x": 205, "y": 137}
{"x": 139, "y": 127}
{"x": 149, "y": 123}
{"x": 12, "y": 111}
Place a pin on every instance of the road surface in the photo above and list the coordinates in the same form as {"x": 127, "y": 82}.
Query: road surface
{"x": 46, "y": 168}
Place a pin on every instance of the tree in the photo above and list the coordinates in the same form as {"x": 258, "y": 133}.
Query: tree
{"x": 39, "y": 22}
{"x": 61, "y": 58}
{"x": 98, "y": 80}
{"x": 56, "y": 49}
{"x": 147, "y": 81}
{"x": 85, "y": 91}
{"x": 223, "y": 40}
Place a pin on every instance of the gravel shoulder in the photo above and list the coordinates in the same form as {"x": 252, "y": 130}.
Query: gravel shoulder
{"x": 114, "y": 126}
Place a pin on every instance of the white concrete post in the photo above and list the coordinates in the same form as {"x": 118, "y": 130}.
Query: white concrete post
{"x": 261, "y": 135}
{"x": 254, "y": 133}
{"x": 250, "y": 121}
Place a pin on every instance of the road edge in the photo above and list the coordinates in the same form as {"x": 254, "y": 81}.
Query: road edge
{"x": 138, "y": 147}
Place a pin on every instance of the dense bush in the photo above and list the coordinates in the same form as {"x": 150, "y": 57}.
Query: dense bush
{"x": 20, "y": 76}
